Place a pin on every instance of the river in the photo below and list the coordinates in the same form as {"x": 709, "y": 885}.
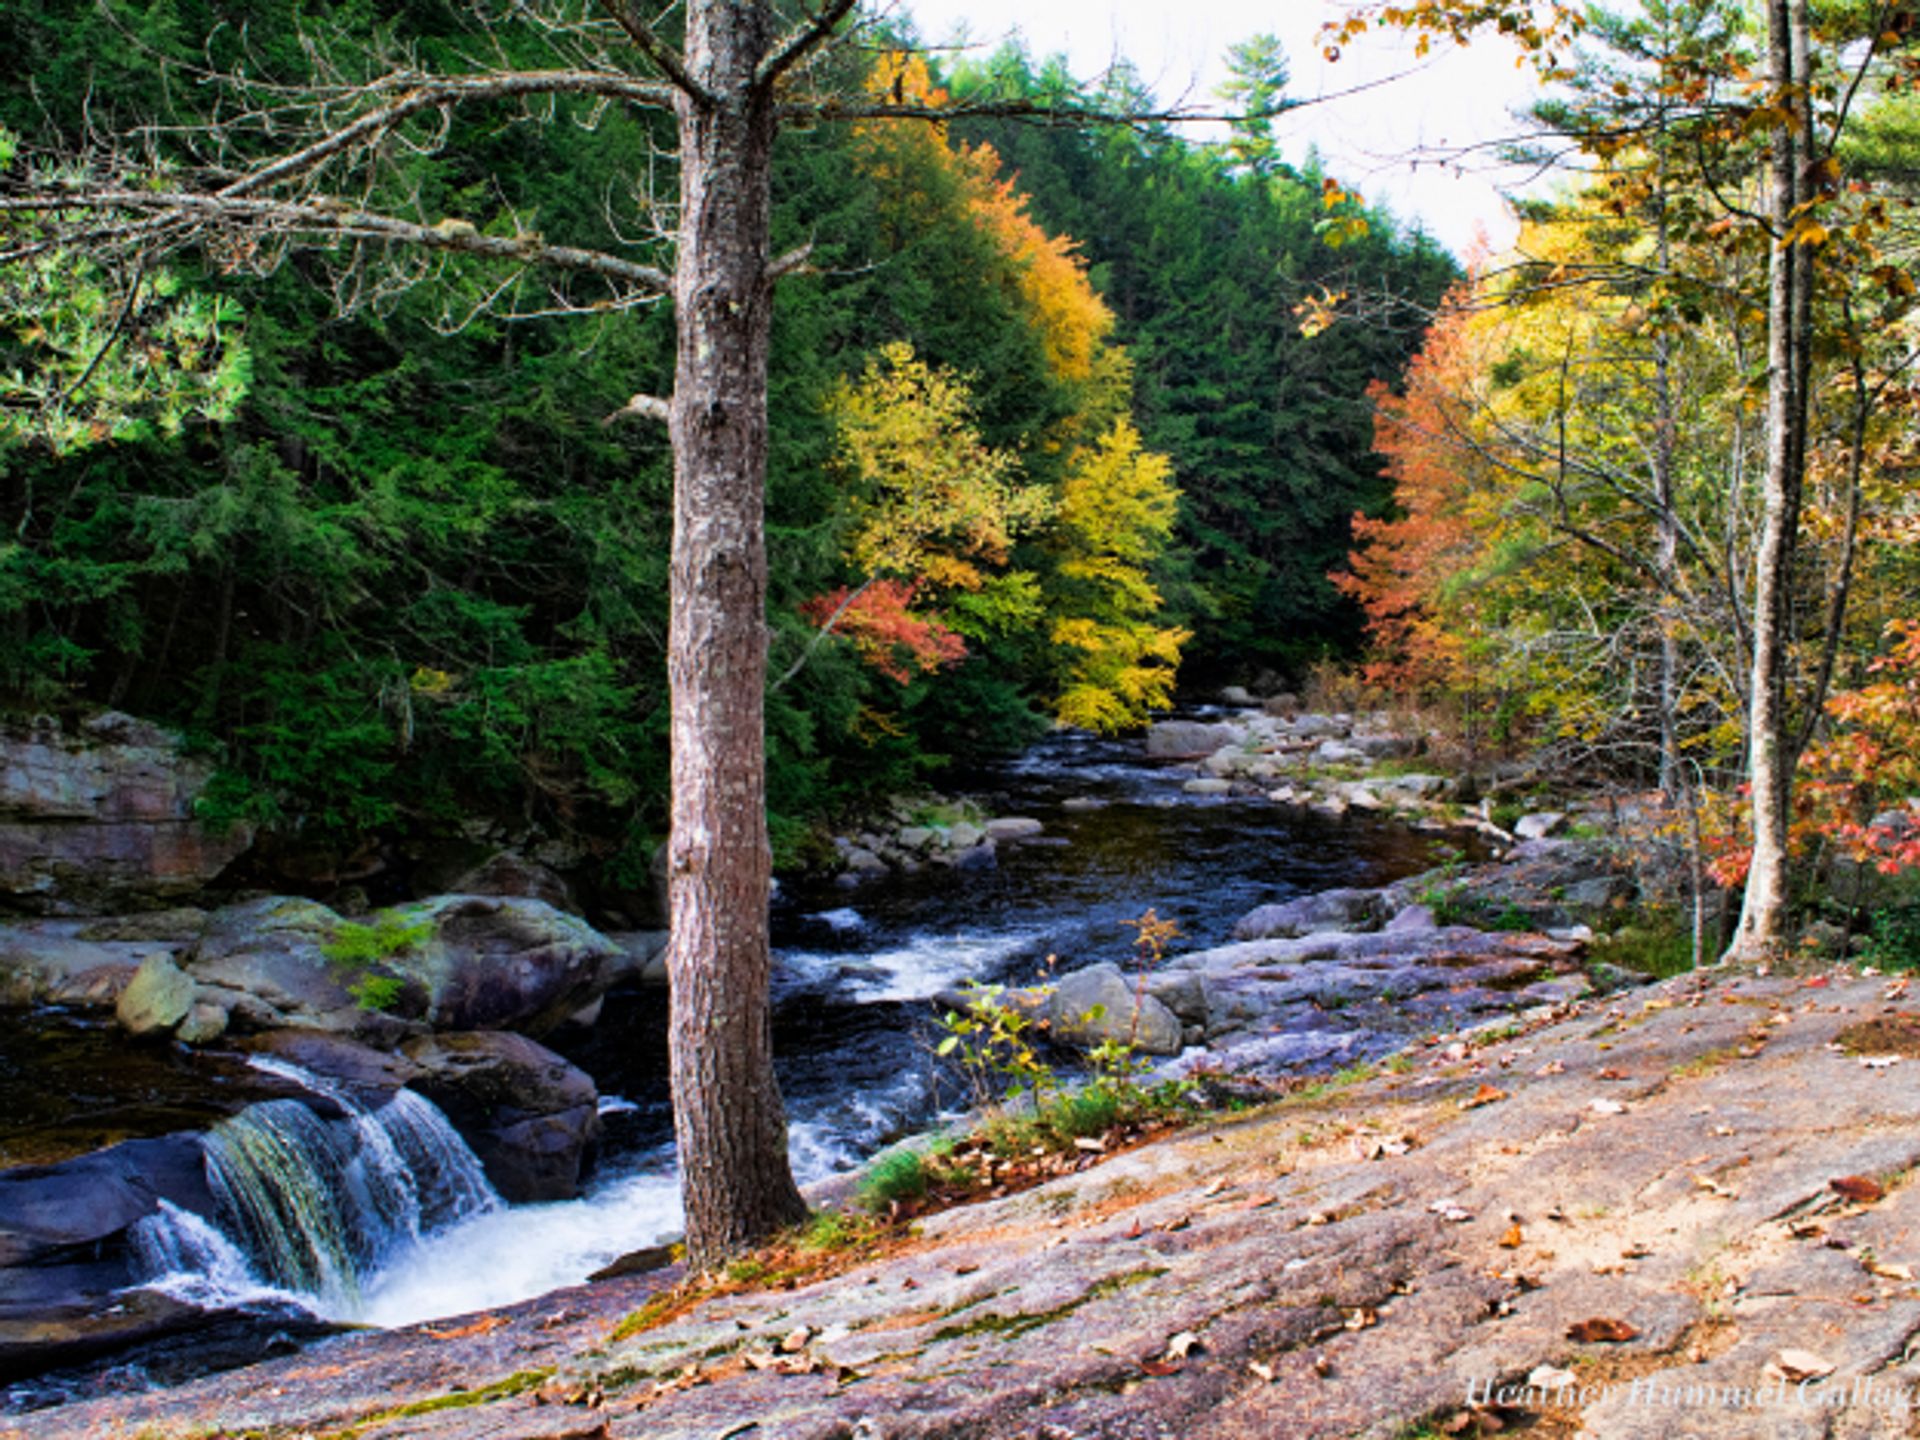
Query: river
{"x": 856, "y": 965}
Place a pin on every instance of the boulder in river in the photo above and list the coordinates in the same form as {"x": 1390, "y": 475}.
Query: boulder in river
{"x": 532, "y": 1118}
{"x": 66, "y": 1256}
{"x": 265, "y": 962}
{"x": 468, "y": 962}
{"x": 1099, "y": 1003}
{"x": 1329, "y": 910}
{"x": 1180, "y": 738}
{"x": 157, "y": 999}
{"x": 501, "y": 963}
{"x": 50, "y": 962}
{"x": 98, "y": 816}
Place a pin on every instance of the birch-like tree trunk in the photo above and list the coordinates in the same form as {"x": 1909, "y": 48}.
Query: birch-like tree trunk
{"x": 1770, "y": 752}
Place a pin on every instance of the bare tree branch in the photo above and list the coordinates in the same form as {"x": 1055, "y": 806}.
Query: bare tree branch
{"x": 177, "y": 210}
{"x": 642, "y": 407}
{"x": 422, "y": 94}
{"x": 792, "y": 48}
{"x": 661, "y": 54}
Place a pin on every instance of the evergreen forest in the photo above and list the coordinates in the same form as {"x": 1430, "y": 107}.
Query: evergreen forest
{"x": 1047, "y": 433}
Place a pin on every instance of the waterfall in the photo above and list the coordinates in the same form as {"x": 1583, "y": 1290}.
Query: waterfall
{"x": 312, "y": 1208}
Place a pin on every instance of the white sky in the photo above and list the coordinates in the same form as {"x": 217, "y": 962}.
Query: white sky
{"x": 1386, "y": 141}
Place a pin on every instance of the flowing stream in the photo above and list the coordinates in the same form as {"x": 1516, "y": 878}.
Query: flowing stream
{"x": 382, "y": 1215}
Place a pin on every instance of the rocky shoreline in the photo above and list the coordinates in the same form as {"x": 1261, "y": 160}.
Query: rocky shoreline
{"x": 450, "y": 995}
{"x": 1681, "y": 1213}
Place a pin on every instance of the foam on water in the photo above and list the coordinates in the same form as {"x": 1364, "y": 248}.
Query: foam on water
{"x": 516, "y": 1254}
{"x": 919, "y": 969}
{"x": 843, "y": 921}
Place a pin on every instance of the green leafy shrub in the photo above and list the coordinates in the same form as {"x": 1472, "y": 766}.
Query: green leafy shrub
{"x": 1893, "y": 938}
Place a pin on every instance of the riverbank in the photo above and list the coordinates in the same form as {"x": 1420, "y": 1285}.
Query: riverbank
{"x": 1713, "y": 1172}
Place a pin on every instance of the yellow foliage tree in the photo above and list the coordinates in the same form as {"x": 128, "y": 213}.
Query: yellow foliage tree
{"x": 1116, "y": 512}
{"x": 932, "y": 503}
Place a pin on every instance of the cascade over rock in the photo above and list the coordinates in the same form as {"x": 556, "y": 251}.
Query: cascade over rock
{"x": 532, "y": 1118}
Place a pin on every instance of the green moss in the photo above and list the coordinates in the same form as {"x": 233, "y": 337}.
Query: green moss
{"x": 517, "y": 1383}
{"x": 647, "y": 1316}
{"x": 1011, "y": 1327}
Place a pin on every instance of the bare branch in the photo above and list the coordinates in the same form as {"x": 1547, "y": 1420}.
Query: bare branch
{"x": 798, "y": 42}
{"x": 656, "y": 50}
{"x": 642, "y": 407}
{"x": 794, "y": 262}
{"x": 162, "y": 211}
{"x": 428, "y": 95}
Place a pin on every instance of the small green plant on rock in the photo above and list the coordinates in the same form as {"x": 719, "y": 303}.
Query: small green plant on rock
{"x": 365, "y": 948}
{"x": 993, "y": 1038}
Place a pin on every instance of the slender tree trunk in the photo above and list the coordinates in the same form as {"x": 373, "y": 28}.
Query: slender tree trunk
{"x": 1668, "y": 561}
{"x": 728, "y": 1117}
{"x": 1763, "y": 915}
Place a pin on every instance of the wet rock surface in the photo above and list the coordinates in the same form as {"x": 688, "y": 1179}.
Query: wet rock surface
{"x": 1353, "y": 1264}
{"x": 529, "y": 1115}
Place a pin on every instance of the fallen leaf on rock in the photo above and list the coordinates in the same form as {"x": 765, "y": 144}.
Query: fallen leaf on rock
{"x": 1549, "y": 1377}
{"x": 1861, "y": 1189}
{"x": 1794, "y": 1366}
{"x": 1612, "y": 1074}
{"x": 1601, "y": 1329}
{"x": 1160, "y": 1367}
{"x": 1513, "y": 1239}
{"x": 1607, "y": 1107}
{"x": 485, "y": 1325}
{"x": 1485, "y": 1095}
{"x": 1183, "y": 1345}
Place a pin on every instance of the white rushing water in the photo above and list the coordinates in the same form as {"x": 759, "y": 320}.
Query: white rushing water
{"x": 383, "y": 1217}
{"x": 515, "y": 1254}
{"x": 918, "y": 969}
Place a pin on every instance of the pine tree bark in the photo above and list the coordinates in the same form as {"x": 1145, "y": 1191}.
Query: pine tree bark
{"x": 1762, "y": 931}
{"x": 728, "y": 1118}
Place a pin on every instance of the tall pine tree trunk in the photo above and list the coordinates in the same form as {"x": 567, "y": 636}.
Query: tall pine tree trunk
{"x": 1763, "y": 917}
{"x": 728, "y": 1117}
